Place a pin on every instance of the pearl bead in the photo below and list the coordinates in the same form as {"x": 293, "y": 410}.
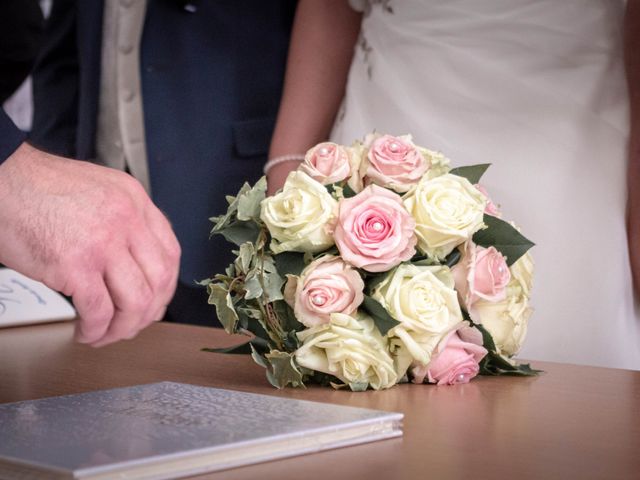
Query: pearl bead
{"x": 377, "y": 226}
{"x": 394, "y": 147}
{"x": 461, "y": 377}
{"x": 501, "y": 269}
{"x": 324, "y": 151}
{"x": 318, "y": 300}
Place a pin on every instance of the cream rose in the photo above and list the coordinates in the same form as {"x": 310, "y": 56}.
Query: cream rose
{"x": 300, "y": 218}
{"x": 423, "y": 300}
{"x": 448, "y": 210}
{"x": 350, "y": 349}
{"x": 327, "y": 285}
{"x": 327, "y": 163}
{"x": 507, "y": 320}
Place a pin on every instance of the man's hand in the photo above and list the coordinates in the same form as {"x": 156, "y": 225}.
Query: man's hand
{"x": 91, "y": 233}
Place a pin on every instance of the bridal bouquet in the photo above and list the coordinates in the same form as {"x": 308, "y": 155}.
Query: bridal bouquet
{"x": 375, "y": 264}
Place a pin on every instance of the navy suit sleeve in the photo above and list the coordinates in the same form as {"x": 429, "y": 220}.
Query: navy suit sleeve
{"x": 10, "y": 136}
{"x": 55, "y": 83}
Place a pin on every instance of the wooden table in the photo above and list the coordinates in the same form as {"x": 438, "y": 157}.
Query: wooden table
{"x": 570, "y": 423}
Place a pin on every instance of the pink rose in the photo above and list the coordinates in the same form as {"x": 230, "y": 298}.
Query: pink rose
{"x": 395, "y": 162}
{"x": 481, "y": 273}
{"x": 327, "y": 163}
{"x": 374, "y": 231}
{"x": 491, "y": 208}
{"x": 455, "y": 359}
{"x": 327, "y": 285}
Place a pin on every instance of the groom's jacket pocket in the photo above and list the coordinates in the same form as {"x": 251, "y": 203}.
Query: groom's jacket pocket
{"x": 251, "y": 138}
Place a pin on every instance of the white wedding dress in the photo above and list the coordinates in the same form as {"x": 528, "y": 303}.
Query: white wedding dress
{"x": 536, "y": 88}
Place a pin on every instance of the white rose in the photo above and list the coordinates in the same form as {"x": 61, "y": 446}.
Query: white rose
{"x": 522, "y": 273}
{"x": 507, "y": 320}
{"x": 448, "y": 210}
{"x": 440, "y": 165}
{"x": 300, "y": 217}
{"x": 352, "y": 350}
{"x": 357, "y": 158}
{"x": 425, "y": 303}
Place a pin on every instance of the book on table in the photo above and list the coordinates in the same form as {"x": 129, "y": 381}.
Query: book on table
{"x": 24, "y": 301}
{"x": 170, "y": 430}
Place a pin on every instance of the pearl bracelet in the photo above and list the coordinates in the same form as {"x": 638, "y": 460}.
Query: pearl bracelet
{"x": 272, "y": 162}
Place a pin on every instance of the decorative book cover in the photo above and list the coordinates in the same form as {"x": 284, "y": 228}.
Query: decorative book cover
{"x": 171, "y": 430}
{"x": 24, "y": 301}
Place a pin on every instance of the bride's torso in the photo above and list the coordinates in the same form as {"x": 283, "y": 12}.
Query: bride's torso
{"x": 545, "y": 57}
{"x": 537, "y": 89}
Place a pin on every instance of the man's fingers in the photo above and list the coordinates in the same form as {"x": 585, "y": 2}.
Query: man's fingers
{"x": 160, "y": 226}
{"x": 157, "y": 316}
{"x": 123, "y": 325}
{"x": 95, "y": 309}
{"x": 132, "y": 298}
{"x": 160, "y": 269}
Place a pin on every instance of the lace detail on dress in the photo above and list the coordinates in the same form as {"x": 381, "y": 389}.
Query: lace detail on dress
{"x": 363, "y": 45}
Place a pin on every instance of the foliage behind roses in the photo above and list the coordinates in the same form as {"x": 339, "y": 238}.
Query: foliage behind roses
{"x": 375, "y": 264}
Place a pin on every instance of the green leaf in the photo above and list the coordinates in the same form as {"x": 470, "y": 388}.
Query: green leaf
{"x": 205, "y": 282}
{"x": 338, "y": 385}
{"x": 230, "y": 271}
{"x": 245, "y": 255}
{"x": 272, "y": 282}
{"x": 487, "y": 339}
{"x": 310, "y": 257}
{"x": 380, "y": 316}
{"x": 259, "y": 358}
{"x": 284, "y": 370}
{"x": 504, "y": 237}
{"x": 252, "y": 285}
{"x": 333, "y": 188}
{"x": 340, "y": 190}
{"x": 289, "y": 263}
{"x": 242, "y": 348}
{"x": 358, "y": 386}
{"x": 264, "y": 279}
{"x": 526, "y": 369}
{"x": 219, "y": 296}
{"x": 494, "y": 364}
{"x": 323, "y": 379}
{"x": 251, "y": 319}
{"x": 347, "y": 191}
{"x": 372, "y": 281}
{"x": 223, "y": 221}
{"x": 240, "y": 232}
{"x": 249, "y": 202}
{"x": 452, "y": 258}
{"x": 473, "y": 173}
{"x": 287, "y": 318}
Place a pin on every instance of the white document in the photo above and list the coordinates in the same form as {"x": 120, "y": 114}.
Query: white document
{"x": 24, "y": 301}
